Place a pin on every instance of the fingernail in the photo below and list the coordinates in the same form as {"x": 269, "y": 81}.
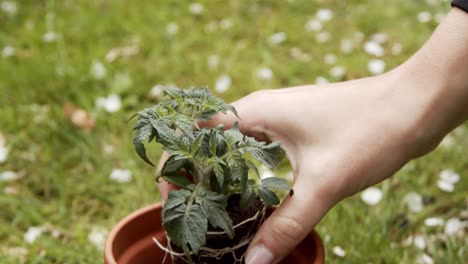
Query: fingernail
{"x": 259, "y": 255}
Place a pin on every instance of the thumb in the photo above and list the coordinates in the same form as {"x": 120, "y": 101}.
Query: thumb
{"x": 289, "y": 224}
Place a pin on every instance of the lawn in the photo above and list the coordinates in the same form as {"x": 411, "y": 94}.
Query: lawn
{"x": 72, "y": 72}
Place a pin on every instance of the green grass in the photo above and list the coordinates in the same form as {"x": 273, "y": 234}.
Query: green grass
{"x": 66, "y": 181}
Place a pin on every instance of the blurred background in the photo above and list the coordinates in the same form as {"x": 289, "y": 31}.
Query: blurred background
{"x": 72, "y": 72}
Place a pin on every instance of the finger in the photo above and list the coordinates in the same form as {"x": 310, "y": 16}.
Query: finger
{"x": 287, "y": 226}
{"x": 163, "y": 186}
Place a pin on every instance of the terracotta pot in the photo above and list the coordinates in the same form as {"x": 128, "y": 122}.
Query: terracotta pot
{"x": 131, "y": 241}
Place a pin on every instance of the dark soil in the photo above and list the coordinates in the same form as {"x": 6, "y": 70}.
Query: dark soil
{"x": 222, "y": 241}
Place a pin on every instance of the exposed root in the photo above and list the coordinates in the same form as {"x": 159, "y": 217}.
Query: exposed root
{"x": 206, "y": 252}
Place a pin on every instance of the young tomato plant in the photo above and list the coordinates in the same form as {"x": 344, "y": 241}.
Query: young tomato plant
{"x": 218, "y": 160}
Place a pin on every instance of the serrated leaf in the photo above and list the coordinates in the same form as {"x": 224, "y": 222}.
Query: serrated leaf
{"x": 177, "y": 179}
{"x": 196, "y": 144}
{"x": 186, "y": 226}
{"x": 141, "y": 134}
{"x": 270, "y": 155}
{"x": 175, "y": 198}
{"x": 233, "y": 135}
{"x": 238, "y": 170}
{"x": 275, "y": 183}
{"x": 214, "y": 207}
{"x": 173, "y": 164}
{"x": 247, "y": 197}
{"x": 219, "y": 173}
{"x": 268, "y": 196}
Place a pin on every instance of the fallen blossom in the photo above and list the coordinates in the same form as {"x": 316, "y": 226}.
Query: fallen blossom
{"x": 225, "y": 23}
{"x": 17, "y": 252}
{"x": 108, "y": 149}
{"x": 424, "y": 17}
{"x": 321, "y": 80}
{"x": 379, "y": 38}
{"x": 32, "y": 234}
{"x": 372, "y": 195}
{"x": 277, "y": 38}
{"x": 98, "y": 70}
{"x": 213, "y": 62}
{"x": 434, "y": 221}
{"x": 10, "y": 190}
{"x": 111, "y": 103}
{"x": 419, "y": 242}
{"x": 445, "y": 186}
{"x": 79, "y": 117}
{"x": 3, "y": 153}
{"x": 97, "y": 237}
{"x": 424, "y": 259}
{"x": 414, "y": 201}
{"x": 9, "y": 7}
{"x": 124, "y": 51}
{"x": 172, "y": 29}
{"x": 453, "y": 226}
{"x": 376, "y": 66}
{"x": 121, "y": 175}
{"x": 265, "y": 74}
{"x": 338, "y": 71}
{"x": 324, "y": 14}
{"x": 8, "y": 51}
{"x": 396, "y": 48}
{"x": 298, "y": 54}
{"x": 346, "y": 46}
{"x": 9, "y": 176}
{"x": 339, "y": 251}
{"x": 322, "y": 37}
{"x": 156, "y": 91}
{"x": 330, "y": 58}
{"x": 313, "y": 25}
{"x": 373, "y": 48}
{"x": 50, "y": 36}
{"x": 196, "y": 8}
{"x": 449, "y": 176}
{"x": 447, "y": 142}
{"x": 223, "y": 83}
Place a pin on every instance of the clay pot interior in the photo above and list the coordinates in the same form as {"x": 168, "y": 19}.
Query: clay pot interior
{"x": 131, "y": 241}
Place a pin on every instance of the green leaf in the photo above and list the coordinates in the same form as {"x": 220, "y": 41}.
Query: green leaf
{"x": 177, "y": 179}
{"x": 233, "y": 135}
{"x": 214, "y": 208}
{"x": 247, "y": 197}
{"x": 270, "y": 155}
{"x": 196, "y": 144}
{"x": 252, "y": 166}
{"x": 173, "y": 164}
{"x": 141, "y": 134}
{"x": 238, "y": 169}
{"x": 175, "y": 198}
{"x": 275, "y": 183}
{"x": 186, "y": 226}
{"x": 268, "y": 196}
{"x": 219, "y": 173}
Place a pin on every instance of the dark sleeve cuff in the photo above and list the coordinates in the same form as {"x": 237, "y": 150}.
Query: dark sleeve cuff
{"x": 462, "y": 4}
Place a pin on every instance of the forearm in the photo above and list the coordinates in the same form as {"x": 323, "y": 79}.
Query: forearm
{"x": 438, "y": 77}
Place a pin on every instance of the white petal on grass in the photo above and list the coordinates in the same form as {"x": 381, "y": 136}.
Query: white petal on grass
{"x": 50, "y": 36}
{"x": 9, "y": 176}
{"x": 98, "y": 70}
{"x": 97, "y": 237}
{"x": 111, "y": 104}
{"x": 373, "y": 48}
{"x": 338, "y": 71}
{"x": 379, "y": 38}
{"x": 419, "y": 242}
{"x": 372, "y": 195}
{"x": 264, "y": 74}
{"x": 213, "y": 62}
{"x": 313, "y": 25}
{"x": 445, "y": 186}
{"x": 346, "y": 46}
{"x": 172, "y": 29}
{"x": 225, "y": 23}
{"x": 108, "y": 149}
{"x": 424, "y": 259}
{"x": 414, "y": 201}
{"x": 434, "y": 221}
{"x": 196, "y": 9}
{"x": 453, "y": 226}
{"x": 424, "y": 17}
{"x": 17, "y": 252}
{"x": 330, "y": 58}
{"x": 376, "y": 66}
{"x": 277, "y": 38}
{"x": 124, "y": 51}
{"x": 322, "y": 37}
{"x": 339, "y": 251}
{"x": 449, "y": 176}
{"x": 324, "y": 14}
{"x": 3, "y": 153}
{"x": 9, "y": 7}
{"x": 10, "y": 190}
{"x": 447, "y": 142}
{"x": 223, "y": 83}
{"x": 8, "y": 51}
{"x": 321, "y": 80}
{"x": 298, "y": 54}
{"x": 32, "y": 234}
{"x": 396, "y": 49}
{"x": 156, "y": 91}
{"x": 121, "y": 175}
